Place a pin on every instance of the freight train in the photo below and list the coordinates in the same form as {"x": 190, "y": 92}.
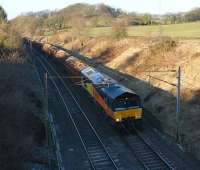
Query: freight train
{"x": 119, "y": 103}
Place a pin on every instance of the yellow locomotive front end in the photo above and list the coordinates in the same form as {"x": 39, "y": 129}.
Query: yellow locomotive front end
{"x": 127, "y": 107}
{"x": 134, "y": 114}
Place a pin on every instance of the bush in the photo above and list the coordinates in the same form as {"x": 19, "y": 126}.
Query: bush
{"x": 163, "y": 45}
{"x": 9, "y": 38}
{"x": 3, "y": 15}
{"x": 119, "y": 30}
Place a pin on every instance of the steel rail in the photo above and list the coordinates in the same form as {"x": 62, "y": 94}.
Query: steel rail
{"x": 71, "y": 117}
{"x": 158, "y": 154}
{"x": 150, "y": 147}
{"x": 131, "y": 148}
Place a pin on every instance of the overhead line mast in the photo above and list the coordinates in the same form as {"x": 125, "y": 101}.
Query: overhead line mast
{"x": 178, "y": 98}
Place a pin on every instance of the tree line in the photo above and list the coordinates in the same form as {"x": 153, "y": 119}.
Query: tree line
{"x": 84, "y": 15}
{"x": 191, "y": 16}
{"x": 9, "y": 35}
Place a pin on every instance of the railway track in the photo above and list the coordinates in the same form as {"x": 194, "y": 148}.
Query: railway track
{"x": 144, "y": 152}
{"x": 97, "y": 153}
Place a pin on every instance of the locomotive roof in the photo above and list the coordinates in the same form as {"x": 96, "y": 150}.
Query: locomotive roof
{"x": 107, "y": 85}
{"x": 97, "y": 77}
{"x": 116, "y": 90}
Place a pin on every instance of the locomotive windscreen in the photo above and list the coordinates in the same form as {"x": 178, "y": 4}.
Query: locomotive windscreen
{"x": 126, "y": 101}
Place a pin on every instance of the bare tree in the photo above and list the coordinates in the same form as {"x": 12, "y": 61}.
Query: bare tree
{"x": 3, "y": 15}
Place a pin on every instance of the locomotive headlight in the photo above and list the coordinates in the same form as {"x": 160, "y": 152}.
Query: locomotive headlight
{"x": 117, "y": 120}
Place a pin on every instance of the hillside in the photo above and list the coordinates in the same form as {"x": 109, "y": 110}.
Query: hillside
{"x": 86, "y": 10}
{"x": 85, "y": 14}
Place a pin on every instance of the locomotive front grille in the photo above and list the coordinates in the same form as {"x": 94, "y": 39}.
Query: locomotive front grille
{"x": 126, "y": 114}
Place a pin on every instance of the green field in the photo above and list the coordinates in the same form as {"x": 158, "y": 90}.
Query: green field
{"x": 186, "y": 30}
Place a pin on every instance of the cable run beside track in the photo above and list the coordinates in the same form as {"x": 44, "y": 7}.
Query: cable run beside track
{"x": 97, "y": 153}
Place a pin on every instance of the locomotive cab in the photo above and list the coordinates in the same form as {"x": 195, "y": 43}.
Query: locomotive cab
{"x": 126, "y": 101}
{"x": 127, "y": 106}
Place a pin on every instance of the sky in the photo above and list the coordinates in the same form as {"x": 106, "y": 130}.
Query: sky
{"x": 17, "y": 7}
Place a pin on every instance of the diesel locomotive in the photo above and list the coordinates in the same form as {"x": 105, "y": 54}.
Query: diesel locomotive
{"x": 119, "y": 103}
